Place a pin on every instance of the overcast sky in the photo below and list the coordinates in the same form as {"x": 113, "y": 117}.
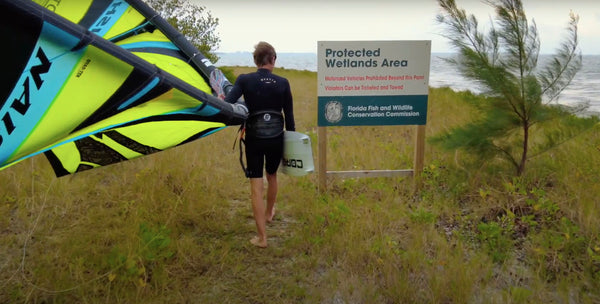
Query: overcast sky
{"x": 297, "y": 25}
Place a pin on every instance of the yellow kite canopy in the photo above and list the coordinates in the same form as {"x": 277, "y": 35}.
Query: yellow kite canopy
{"x": 95, "y": 82}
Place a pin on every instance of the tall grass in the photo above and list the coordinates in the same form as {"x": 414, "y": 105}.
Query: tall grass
{"x": 173, "y": 227}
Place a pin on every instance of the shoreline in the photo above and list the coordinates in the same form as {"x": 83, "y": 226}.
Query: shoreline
{"x": 590, "y": 111}
{"x": 585, "y": 87}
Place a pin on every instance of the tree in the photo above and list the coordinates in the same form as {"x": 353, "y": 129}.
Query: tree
{"x": 520, "y": 97}
{"x": 195, "y": 22}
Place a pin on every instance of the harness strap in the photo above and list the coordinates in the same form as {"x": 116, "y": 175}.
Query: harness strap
{"x": 241, "y": 144}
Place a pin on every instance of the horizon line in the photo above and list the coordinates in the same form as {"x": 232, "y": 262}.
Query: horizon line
{"x": 315, "y": 53}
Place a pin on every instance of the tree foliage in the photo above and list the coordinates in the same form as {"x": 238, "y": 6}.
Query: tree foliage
{"x": 195, "y": 22}
{"x": 520, "y": 96}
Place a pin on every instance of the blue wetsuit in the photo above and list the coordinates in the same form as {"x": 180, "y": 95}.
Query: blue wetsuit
{"x": 264, "y": 91}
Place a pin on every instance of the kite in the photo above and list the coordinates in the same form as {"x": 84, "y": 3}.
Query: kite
{"x": 91, "y": 83}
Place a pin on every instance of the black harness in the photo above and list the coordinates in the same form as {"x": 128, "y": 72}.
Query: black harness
{"x": 264, "y": 124}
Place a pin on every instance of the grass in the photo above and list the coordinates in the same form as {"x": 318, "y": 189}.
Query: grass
{"x": 173, "y": 227}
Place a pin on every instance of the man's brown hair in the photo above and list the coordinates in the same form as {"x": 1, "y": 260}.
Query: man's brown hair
{"x": 264, "y": 53}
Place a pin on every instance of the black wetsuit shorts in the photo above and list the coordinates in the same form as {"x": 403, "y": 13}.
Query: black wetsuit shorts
{"x": 261, "y": 152}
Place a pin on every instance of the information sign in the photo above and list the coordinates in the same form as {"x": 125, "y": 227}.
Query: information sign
{"x": 373, "y": 82}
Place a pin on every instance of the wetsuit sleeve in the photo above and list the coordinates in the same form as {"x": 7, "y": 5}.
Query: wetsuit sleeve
{"x": 288, "y": 109}
{"x": 235, "y": 93}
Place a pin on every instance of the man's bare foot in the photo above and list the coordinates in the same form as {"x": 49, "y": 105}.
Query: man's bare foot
{"x": 258, "y": 243}
{"x": 269, "y": 217}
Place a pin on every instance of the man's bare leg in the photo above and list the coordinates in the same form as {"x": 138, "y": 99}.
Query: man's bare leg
{"x": 258, "y": 208}
{"x": 271, "y": 196}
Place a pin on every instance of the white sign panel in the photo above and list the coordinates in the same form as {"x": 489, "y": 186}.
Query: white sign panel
{"x": 354, "y": 68}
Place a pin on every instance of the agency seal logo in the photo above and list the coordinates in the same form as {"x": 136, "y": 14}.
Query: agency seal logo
{"x": 333, "y": 111}
{"x": 267, "y": 117}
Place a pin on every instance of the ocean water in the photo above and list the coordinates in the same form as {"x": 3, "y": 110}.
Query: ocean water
{"x": 585, "y": 87}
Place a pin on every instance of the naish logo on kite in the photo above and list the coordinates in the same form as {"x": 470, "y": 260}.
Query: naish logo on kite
{"x": 105, "y": 19}
{"x": 51, "y": 5}
{"x": 22, "y": 104}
